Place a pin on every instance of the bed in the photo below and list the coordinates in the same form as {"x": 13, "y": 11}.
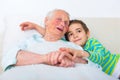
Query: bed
{"x": 104, "y": 29}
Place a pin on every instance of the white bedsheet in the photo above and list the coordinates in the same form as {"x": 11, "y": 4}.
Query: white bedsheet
{"x": 45, "y": 72}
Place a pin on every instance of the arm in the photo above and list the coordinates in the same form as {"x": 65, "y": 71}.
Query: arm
{"x": 15, "y": 55}
{"x": 29, "y": 26}
{"x": 97, "y": 51}
{"x": 52, "y": 58}
{"x": 28, "y": 58}
{"x": 77, "y": 54}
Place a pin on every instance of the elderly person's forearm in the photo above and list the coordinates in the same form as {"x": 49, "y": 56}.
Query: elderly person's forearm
{"x": 28, "y": 58}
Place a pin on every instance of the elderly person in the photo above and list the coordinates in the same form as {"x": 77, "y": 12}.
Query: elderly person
{"x": 32, "y": 59}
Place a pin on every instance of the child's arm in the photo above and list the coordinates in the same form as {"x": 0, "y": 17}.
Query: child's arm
{"x": 76, "y": 53}
{"x": 29, "y": 26}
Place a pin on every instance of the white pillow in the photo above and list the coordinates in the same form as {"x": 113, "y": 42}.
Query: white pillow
{"x": 13, "y": 32}
{"x": 2, "y": 28}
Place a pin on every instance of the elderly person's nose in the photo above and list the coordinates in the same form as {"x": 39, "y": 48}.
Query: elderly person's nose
{"x": 62, "y": 23}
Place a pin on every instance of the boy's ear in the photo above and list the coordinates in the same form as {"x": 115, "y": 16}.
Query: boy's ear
{"x": 88, "y": 33}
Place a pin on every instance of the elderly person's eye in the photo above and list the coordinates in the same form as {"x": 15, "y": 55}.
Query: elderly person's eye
{"x": 79, "y": 31}
{"x": 66, "y": 23}
{"x": 59, "y": 19}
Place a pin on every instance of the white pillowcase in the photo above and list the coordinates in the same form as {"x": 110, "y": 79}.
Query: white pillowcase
{"x": 13, "y": 33}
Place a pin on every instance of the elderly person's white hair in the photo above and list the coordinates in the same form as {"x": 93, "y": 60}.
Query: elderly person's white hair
{"x": 51, "y": 13}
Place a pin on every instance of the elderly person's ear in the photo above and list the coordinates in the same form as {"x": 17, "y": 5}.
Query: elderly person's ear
{"x": 46, "y": 21}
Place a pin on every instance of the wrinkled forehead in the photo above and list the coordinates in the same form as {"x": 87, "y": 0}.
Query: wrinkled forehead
{"x": 58, "y": 14}
{"x": 62, "y": 14}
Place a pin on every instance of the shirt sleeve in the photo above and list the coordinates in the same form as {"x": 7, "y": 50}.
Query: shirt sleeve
{"x": 97, "y": 52}
{"x": 9, "y": 56}
{"x": 95, "y": 57}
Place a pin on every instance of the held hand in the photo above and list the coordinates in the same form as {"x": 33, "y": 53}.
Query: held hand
{"x": 75, "y": 53}
{"x": 65, "y": 59}
{"x": 52, "y": 58}
{"x": 56, "y": 57}
{"x": 66, "y": 62}
{"x": 28, "y": 26}
{"x": 80, "y": 60}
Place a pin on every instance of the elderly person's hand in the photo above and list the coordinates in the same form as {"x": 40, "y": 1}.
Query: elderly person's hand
{"x": 66, "y": 62}
{"x": 58, "y": 58}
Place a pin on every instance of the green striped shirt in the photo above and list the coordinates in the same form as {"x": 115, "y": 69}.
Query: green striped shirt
{"x": 100, "y": 55}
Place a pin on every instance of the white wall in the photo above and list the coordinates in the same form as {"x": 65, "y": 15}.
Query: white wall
{"x": 76, "y": 8}
{"x": 83, "y": 8}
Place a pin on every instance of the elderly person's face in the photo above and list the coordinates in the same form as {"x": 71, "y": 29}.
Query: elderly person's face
{"x": 57, "y": 24}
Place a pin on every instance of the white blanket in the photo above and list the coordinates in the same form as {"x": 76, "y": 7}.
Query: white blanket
{"x": 45, "y": 72}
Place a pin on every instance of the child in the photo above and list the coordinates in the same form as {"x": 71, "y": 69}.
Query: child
{"x": 93, "y": 49}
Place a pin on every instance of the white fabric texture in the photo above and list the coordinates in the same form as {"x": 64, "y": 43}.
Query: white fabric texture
{"x": 34, "y": 44}
{"x": 45, "y": 72}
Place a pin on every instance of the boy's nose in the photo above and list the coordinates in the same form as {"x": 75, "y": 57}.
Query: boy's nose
{"x": 75, "y": 36}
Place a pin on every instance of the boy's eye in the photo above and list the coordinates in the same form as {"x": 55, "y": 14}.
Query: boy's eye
{"x": 70, "y": 34}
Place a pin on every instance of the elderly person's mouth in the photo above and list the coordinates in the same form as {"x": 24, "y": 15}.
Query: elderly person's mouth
{"x": 60, "y": 29}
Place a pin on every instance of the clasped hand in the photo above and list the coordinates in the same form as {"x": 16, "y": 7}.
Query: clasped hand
{"x": 63, "y": 59}
{"x": 59, "y": 58}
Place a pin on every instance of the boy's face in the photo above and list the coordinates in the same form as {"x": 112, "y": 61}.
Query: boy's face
{"x": 77, "y": 34}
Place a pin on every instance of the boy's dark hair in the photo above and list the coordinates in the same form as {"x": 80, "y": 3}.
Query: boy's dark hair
{"x": 84, "y": 26}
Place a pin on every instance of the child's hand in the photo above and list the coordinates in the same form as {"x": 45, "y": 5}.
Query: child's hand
{"x": 80, "y": 60}
{"x": 27, "y": 26}
{"x": 76, "y": 53}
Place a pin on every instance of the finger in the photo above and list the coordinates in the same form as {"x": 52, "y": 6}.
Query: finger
{"x": 68, "y": 55}
{"x": 69, "y": 50}
{"x": 69, "y": 63}
{"x": 52, "y": 58}
{"x": 55, "y": 57}
{"x": 49, "y": 59}
{"x": 22, "y": 28}
{"x": 27, "y": 28}
{"x": 74, "y": 56}
{"x": 23, "y": 24}
{"x": 62, "y": 49}
{"x": 65, "y": 54}
{"x": 62, "y": 64}
{"x": 61, "y": 56}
